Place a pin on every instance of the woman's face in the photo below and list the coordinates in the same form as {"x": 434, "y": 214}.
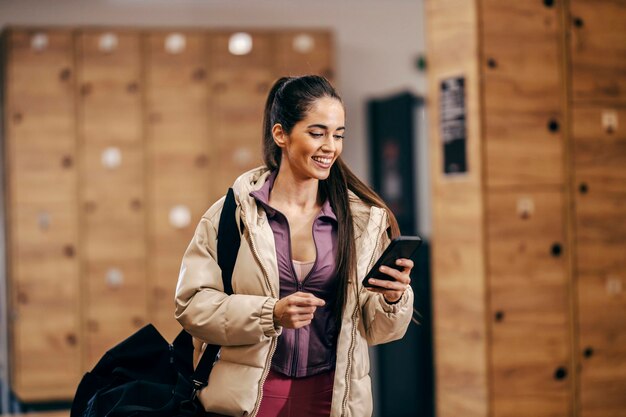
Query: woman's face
{"x": 315, "y": 142}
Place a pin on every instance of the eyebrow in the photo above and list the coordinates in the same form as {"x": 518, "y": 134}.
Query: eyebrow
{"x": 326, "y": 127}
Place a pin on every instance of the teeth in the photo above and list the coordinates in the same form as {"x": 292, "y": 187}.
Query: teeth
{"x": 323, "y": 160}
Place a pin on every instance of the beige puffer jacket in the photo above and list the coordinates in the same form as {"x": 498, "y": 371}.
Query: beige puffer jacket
{"x": 243, "y": 322}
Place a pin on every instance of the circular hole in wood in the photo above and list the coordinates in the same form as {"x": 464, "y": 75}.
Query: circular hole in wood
{"x": 132, "y": 87}
{"x": 199, "y": 74}
{"x": 65, "y": 74}
{"x": 588, "y": 352}
{"x": 578, "y": 22}
{"x": 499, "y": 316}
{"x": 553, "y": 125}
{"x": 583, "y": 188}
{"x": 135, "y": 204}
{"x": 85, "y": 89}
{"x": 548, "y": 3}
{"x": 556, "y": 250}
{"x": 69, "y": 251}
{"x": 90, "y": 206}
{"x": 67, "y": 161}
{"x": 491, "y": 63}
{"x": 201, "y": 161}
{"x": 71, "y": 339}
{"x": 560, "y": 373}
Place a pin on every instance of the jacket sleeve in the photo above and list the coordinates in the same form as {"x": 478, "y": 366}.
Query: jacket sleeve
{"x": 384, "y": 322}
{"x": 209, "y": 314}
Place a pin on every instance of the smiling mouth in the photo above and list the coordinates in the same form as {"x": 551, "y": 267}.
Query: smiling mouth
{"x": 322, "y": 160}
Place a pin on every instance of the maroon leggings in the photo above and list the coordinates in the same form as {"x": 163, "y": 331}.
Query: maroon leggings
{"x": 296, "y": 397}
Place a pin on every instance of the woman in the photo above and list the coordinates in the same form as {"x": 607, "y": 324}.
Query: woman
{"x": 296, "y": 331}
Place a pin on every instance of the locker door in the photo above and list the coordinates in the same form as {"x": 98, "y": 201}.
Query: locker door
{"x": 529, "y": 304}
{"x": 179, "y": 158}
{"x": 240, "y": 81}
{"x": 599, "y": 159}
{"x": 42, "y": 212}
{"x": 112, "y": 188}
{"x": 523, "y": 93}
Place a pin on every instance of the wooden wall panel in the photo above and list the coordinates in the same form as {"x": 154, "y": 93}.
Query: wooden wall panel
{"x": 523, "y": 93}
{"x": 598, "y": 48}
{"x": 304, "y": 52}
{"x": 238, "y": 85}
{"x": 459, "y": 309}
{"x": 599, "y": 158}
{"x": 530, "y": 304}
{"x": 180, "y": 159}
{"x": 112, "y": 197}
{"x": 41, "y": 208}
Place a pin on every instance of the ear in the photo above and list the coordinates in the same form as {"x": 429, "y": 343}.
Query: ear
{"x": 279, "y": 135}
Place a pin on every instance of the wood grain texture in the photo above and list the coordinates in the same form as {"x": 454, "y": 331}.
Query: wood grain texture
{"x": 598, "y": 51}
{"x": 180, "y": 160}
{"x": 112, "y": 198}
{"x": 41, "y": 203}
{"x": 599, "y": 158}
{"x": 523, "y": 93}
{"x": 291, "y": 59}
{"x": 529, "y": 303}
{"x": 458, "y": 288}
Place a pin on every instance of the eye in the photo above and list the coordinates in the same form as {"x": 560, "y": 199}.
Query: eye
{"x": 339, "y": 137}
{"x": 316, "y": 135}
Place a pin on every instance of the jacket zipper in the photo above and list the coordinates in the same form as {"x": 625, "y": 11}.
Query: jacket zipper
{"x": 273, "y": 343}
{"x": 299, "y": 287}
{"x": 354, "y": 326}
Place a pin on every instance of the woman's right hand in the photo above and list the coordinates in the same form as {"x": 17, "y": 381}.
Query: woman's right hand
{"x": 296, "y": 310}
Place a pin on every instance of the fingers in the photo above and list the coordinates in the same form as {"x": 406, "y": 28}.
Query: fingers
{"x": 305, "y": 299}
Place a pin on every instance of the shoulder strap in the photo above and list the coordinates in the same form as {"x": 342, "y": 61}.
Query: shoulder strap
{"x": 228, "y": 241}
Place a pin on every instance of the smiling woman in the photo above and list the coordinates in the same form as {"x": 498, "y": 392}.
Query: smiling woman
{"x": 291, "y": 334}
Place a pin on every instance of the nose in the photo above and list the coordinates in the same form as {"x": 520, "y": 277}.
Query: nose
{"x": 329, "y": 144}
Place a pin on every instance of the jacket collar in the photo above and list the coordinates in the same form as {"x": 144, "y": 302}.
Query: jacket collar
{"x": 262, "y": 196}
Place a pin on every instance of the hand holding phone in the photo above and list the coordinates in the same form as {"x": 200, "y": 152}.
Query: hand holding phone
{"x": 391, "y": 282}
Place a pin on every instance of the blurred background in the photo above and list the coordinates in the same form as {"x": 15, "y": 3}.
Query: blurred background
{"x": 494, "y": 130}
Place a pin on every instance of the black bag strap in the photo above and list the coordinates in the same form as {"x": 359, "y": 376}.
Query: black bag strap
{"x": 228, "y": 241}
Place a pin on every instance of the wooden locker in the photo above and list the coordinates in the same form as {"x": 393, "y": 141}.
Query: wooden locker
{"x": 459, "y": 267}
{"x": 42, "y": 227}
{"x": 599, "y": 158}
{"x": 529, "y": 304}
{"x": 112, "y": 188}
{"x": 239, "y": 85}
{"x": 522, "y": 93}
{"x": 304, "y": 52}
{"x": 179, "y": 159}
{"x": 597, "y": 50}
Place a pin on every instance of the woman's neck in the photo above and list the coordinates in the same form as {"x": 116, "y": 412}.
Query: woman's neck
{"x": 293, "y": 192}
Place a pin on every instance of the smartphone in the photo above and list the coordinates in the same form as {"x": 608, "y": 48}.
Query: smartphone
{"x": 400, "y": 247}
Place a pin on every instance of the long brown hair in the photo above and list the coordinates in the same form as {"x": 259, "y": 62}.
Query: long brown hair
{"x": 288, "y": 102}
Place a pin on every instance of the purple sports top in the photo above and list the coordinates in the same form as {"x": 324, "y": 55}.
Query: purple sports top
{"x": 309, "y": 350}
